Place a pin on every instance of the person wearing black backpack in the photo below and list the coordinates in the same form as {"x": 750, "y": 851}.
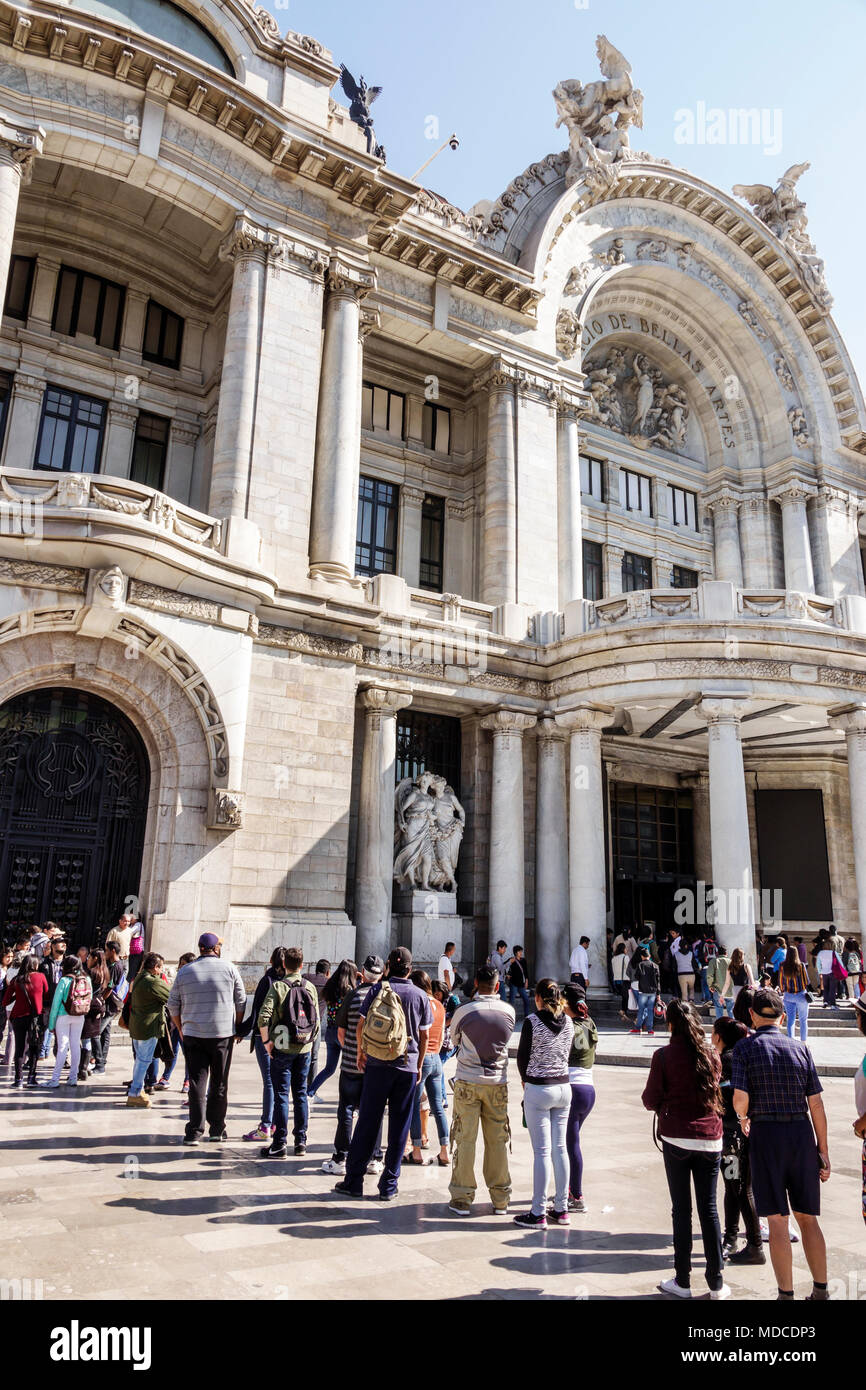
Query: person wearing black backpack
{"x": 288, "y": 1023}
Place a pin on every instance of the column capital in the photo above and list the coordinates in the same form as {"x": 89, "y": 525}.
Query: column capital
{"x": 292, "y": 254}
{"x": 347, "y": 280}
{"x": 508, "y": 721}
{"x": 695, "y": 781}
{"x": 724, "y": 499}
{"x": 851, "y": 719}
{"x": 500, "y": 375}
{"x": 547, "y": 730}
{"x": 723, "y": 708}
{"x": 413, "y": 495}
{"x": 585, "y": 719}
{"x": 385, "y": 700}
{"x": 839, "y": 500}
{"x": 572, "y": 405}
{"x": 792, "y": 490}
{"x": 247, "y": 240}
{"x": 19, "y": 144}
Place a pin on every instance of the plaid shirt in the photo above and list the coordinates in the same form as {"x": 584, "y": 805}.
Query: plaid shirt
{"x": 776, "y": 1073}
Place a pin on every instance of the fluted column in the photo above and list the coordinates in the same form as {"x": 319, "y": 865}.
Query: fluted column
{"x": 506, "y": 892}
{"x": 248, "y": 247}
{"x": 499, "y": 579}
{"x": 587, "y": 876}
{"x": 699, "y": 784}
{"x": 374, "y": 857}
{"x": 19, "y": 144}
{"x": 551, "y": 853}
{"x": 333, "y": 524}
{"x": 852, "y": 720}
{"x": 792, "y": 497}
{"x": 568, "y": 501}
{"x": 725, "y": 506}
{"x": 729, "y": 824}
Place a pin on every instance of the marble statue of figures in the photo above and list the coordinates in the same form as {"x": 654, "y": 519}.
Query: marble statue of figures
{"x": 598, "y": 116}
{"x": 645, "y": 394}
{"x": 361, "y": 98}
{"x": 784, "y": 213}
{"x": 413, "y": 831}
{"x": 449, "y": 823}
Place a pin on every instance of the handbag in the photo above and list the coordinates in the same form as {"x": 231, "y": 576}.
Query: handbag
{"x": 632, "y": 1000}
{"x": 837, "y": 969}
{"x": 659, "y": 1010}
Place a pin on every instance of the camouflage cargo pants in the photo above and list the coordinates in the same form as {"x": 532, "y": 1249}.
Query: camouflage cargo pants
{"x": 478, "y": 1103}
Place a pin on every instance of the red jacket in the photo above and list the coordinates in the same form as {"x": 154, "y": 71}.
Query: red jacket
{"x": 27, "y": 999}
{"x": 672, "y": 1091}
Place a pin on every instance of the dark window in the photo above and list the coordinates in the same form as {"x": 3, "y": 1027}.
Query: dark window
{"x": 432, "y": 543}
{"x": 376, "y": 545}
{"x": 428, "y": 743}
{"x": 382, "y": 410}
{"x": 637, "y": 572}
{"x": 593, "y": 571}
{"x": 684, "y": 508}
{"x": 683, "y": 578}
{"x": 5, "y": 398}
{"x": 792, "y": 852}
{"x": 18, "y": 287}
{"x": 635, "y": 493}
{"x": 88, "y": 307}
{"x": 163, "y": 336}
{"x": 70, "y": 432}
{"x": 592, "y": 478}
{"x": 150, "y": 451}
{"x": 652, "y": 829}
{"x": 436, "y": 428}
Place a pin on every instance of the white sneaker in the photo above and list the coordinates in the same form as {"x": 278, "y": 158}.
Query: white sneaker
{"x": 314, "y": 1099}
{"x": 375, "y": 1167}
{"x": 723, "y": 1292}
{"x": 332, "y": 1165}
{"x": 671, "y": 1286}
{"x": 51, "y": 1085}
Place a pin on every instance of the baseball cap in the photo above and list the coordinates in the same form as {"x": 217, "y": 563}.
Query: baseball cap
{"x": 767, "y": 1003}
{"x": 400, "y": 958}
{"x": 374, "y": 965}
{"x": 208, "y": 941}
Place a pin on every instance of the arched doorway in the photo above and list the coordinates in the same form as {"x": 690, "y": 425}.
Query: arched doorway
{"x": 74, "y": 782}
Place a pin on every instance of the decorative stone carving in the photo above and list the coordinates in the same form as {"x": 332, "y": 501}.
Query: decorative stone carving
{"x": 597, "y": 117}
{"x": 361, "y": 98}
{"x": 227, "y": 810}
{"x": 73, "y": 490}
{"x": 784, "y": 213}
{"x": 578, "y": 278}
{"x": 109, "y": 587}
{"x": 429, "y": 825}
{"x": 614, "y": 255}
{"x": 783, "y": 371}
{"x": 567, "y": 333}
{"x": 799, "y": 428}
{"x": 746, "y": 310}
{"x": 652, "y": 250}
{"x": 22, "y": 572}
{"x": 266, "y": 22}
{"x": 635, "y": 398}
{"x": 20, "y": 143}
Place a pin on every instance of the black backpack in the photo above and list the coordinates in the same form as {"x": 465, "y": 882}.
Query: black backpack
{"x": 298, "y": 1013}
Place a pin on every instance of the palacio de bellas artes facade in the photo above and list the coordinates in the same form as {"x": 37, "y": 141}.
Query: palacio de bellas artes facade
{"x": 372, "y": 570}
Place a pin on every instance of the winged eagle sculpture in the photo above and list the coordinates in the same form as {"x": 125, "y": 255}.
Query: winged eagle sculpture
{"x": 784, "y": 213}
{"x": 361, "y": 98}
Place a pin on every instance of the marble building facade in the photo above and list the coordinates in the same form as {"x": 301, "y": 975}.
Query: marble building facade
{"x": 330, "y": 480}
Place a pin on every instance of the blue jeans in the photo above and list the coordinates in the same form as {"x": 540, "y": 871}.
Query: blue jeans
{"x": 144, "y": 1050}
{"x": 351, "y": 1088}
{"x": 332, "y": 1043}
{"x": 723, "y": 1006}
{"x": 797, "y": 1007}
{"x": 384, "y": 1085}
{"x": 176, "y": 1046}
{"x": 431, "y": 1080}
{"x": 46, "y": 1045}
{"x": 645, "y": 1017}
{"x": 524, "y": 995}
{"x": 705, "y": 989}
{"x": 546, "y": 1109}
{"x": 290, "y": 1073}
{"x": 264, "y": 1062}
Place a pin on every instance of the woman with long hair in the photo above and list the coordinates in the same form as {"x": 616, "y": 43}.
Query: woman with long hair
{"x": 683, "y": 1091}
{"x": 100, "y": 982}
{"x": 338, "y": 985}
{"x": 66, "y": 1018}
{"x": 736, "y": 1174}
{"x": 580, "y": 1063}
{"x": 860, "y": 1095}
{"x": 24, "y": 996}
{"x": 430, "y": 1080}
{"x": 542, "y": 1060}
{"x": 684, "y": 960}
{"x": 277, "y": 970}
{"x": 742, "y": 1007}
{"x": 794, "y": 986}
{"x": 740, "y": 972}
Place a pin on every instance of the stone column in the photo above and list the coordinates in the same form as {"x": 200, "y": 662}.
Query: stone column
{"x": 838, "y": 566}
{"x": 119, "y": 438}
{"x": 248, "y": 247}
{"x": 725, "y": 506}
{"x": 458, "y": 549}
{"x": 852, "y": 719}
{"x": 729, "y": 824}
{"x": 587, "y": 876}
{"x": 699, "y": 785}
{"x": 334, "y": 520}
{"x": 569, "y": 531}
{"x": 506, "y": 911}
{"x": 612, "y": 562}
{"x": 755, "y": 542}
{"x": 499, "y": 576}
{"x": 19, "y": 145}
{"x": 409, "y": 544}
{"x": 374, "y": 856}
{"x": 791, "y": 497}
{"x": 551, "y": 854}
{"x": 25, "y": 413}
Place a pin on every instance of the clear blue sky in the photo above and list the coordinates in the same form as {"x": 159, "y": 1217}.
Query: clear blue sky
{"x": 487, "y": 71}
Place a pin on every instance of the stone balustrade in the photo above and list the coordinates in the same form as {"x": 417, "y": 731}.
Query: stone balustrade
{"x": 716, "y": 601}
{"x": 26, "y": 494}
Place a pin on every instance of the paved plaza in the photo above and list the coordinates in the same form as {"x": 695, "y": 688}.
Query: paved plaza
{"x": 99, "y": 1201}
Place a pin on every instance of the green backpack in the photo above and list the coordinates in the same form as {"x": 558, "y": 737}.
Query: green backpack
{"x": 384, "y": 1035}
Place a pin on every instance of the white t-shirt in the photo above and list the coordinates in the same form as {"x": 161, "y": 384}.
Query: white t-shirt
{"x": 445, "y": 971}
{"x": 685, "y": 963}
{"x": 578, "y": 962}
{"x": 824, "y": 962}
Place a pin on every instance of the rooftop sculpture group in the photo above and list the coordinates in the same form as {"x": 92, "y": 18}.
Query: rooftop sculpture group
{"x": 598, "y": 117}
{"x": 784, "y": 213}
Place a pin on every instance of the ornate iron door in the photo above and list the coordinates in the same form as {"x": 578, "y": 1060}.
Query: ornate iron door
{"x": 73, "y": 802}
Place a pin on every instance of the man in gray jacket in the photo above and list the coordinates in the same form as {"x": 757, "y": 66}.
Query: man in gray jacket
{"x": 207, "y": 1003}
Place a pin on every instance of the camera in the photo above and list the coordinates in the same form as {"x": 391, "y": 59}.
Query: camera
{"x": 453, "y": 142}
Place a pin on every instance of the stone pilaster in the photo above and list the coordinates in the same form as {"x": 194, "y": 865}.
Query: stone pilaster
{"x": 852, "y": 720}
{"x": 409, "y": 543}
{"x": 19, "y": 145}
{"x": 182, "y": 439}
{"x": 569, "y": 529}
{"x": 499, "y": 575}
{"x": 836, "y": 544}
{"x": 729, "y": 823}
{"x": 587, "y": 876}
{"x": 612, "y": 561}
{"x": 43, "y": 294}
{"x": 119, "y": 439}
{"x": 458, "y": 549}
{"x": 699, "y": 785}
{"x": 551, "y": 854}
{"x": 506, "y": 888}
{"x": 792, "y": 497}
{"x": 374, "y": 869}
{"x": 724, "y": 506}
{"x": 24, "y": 415}
{"x": 338, "y": 436}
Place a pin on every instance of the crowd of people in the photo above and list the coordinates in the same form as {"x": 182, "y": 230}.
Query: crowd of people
{"x": 744, "y": 1103}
